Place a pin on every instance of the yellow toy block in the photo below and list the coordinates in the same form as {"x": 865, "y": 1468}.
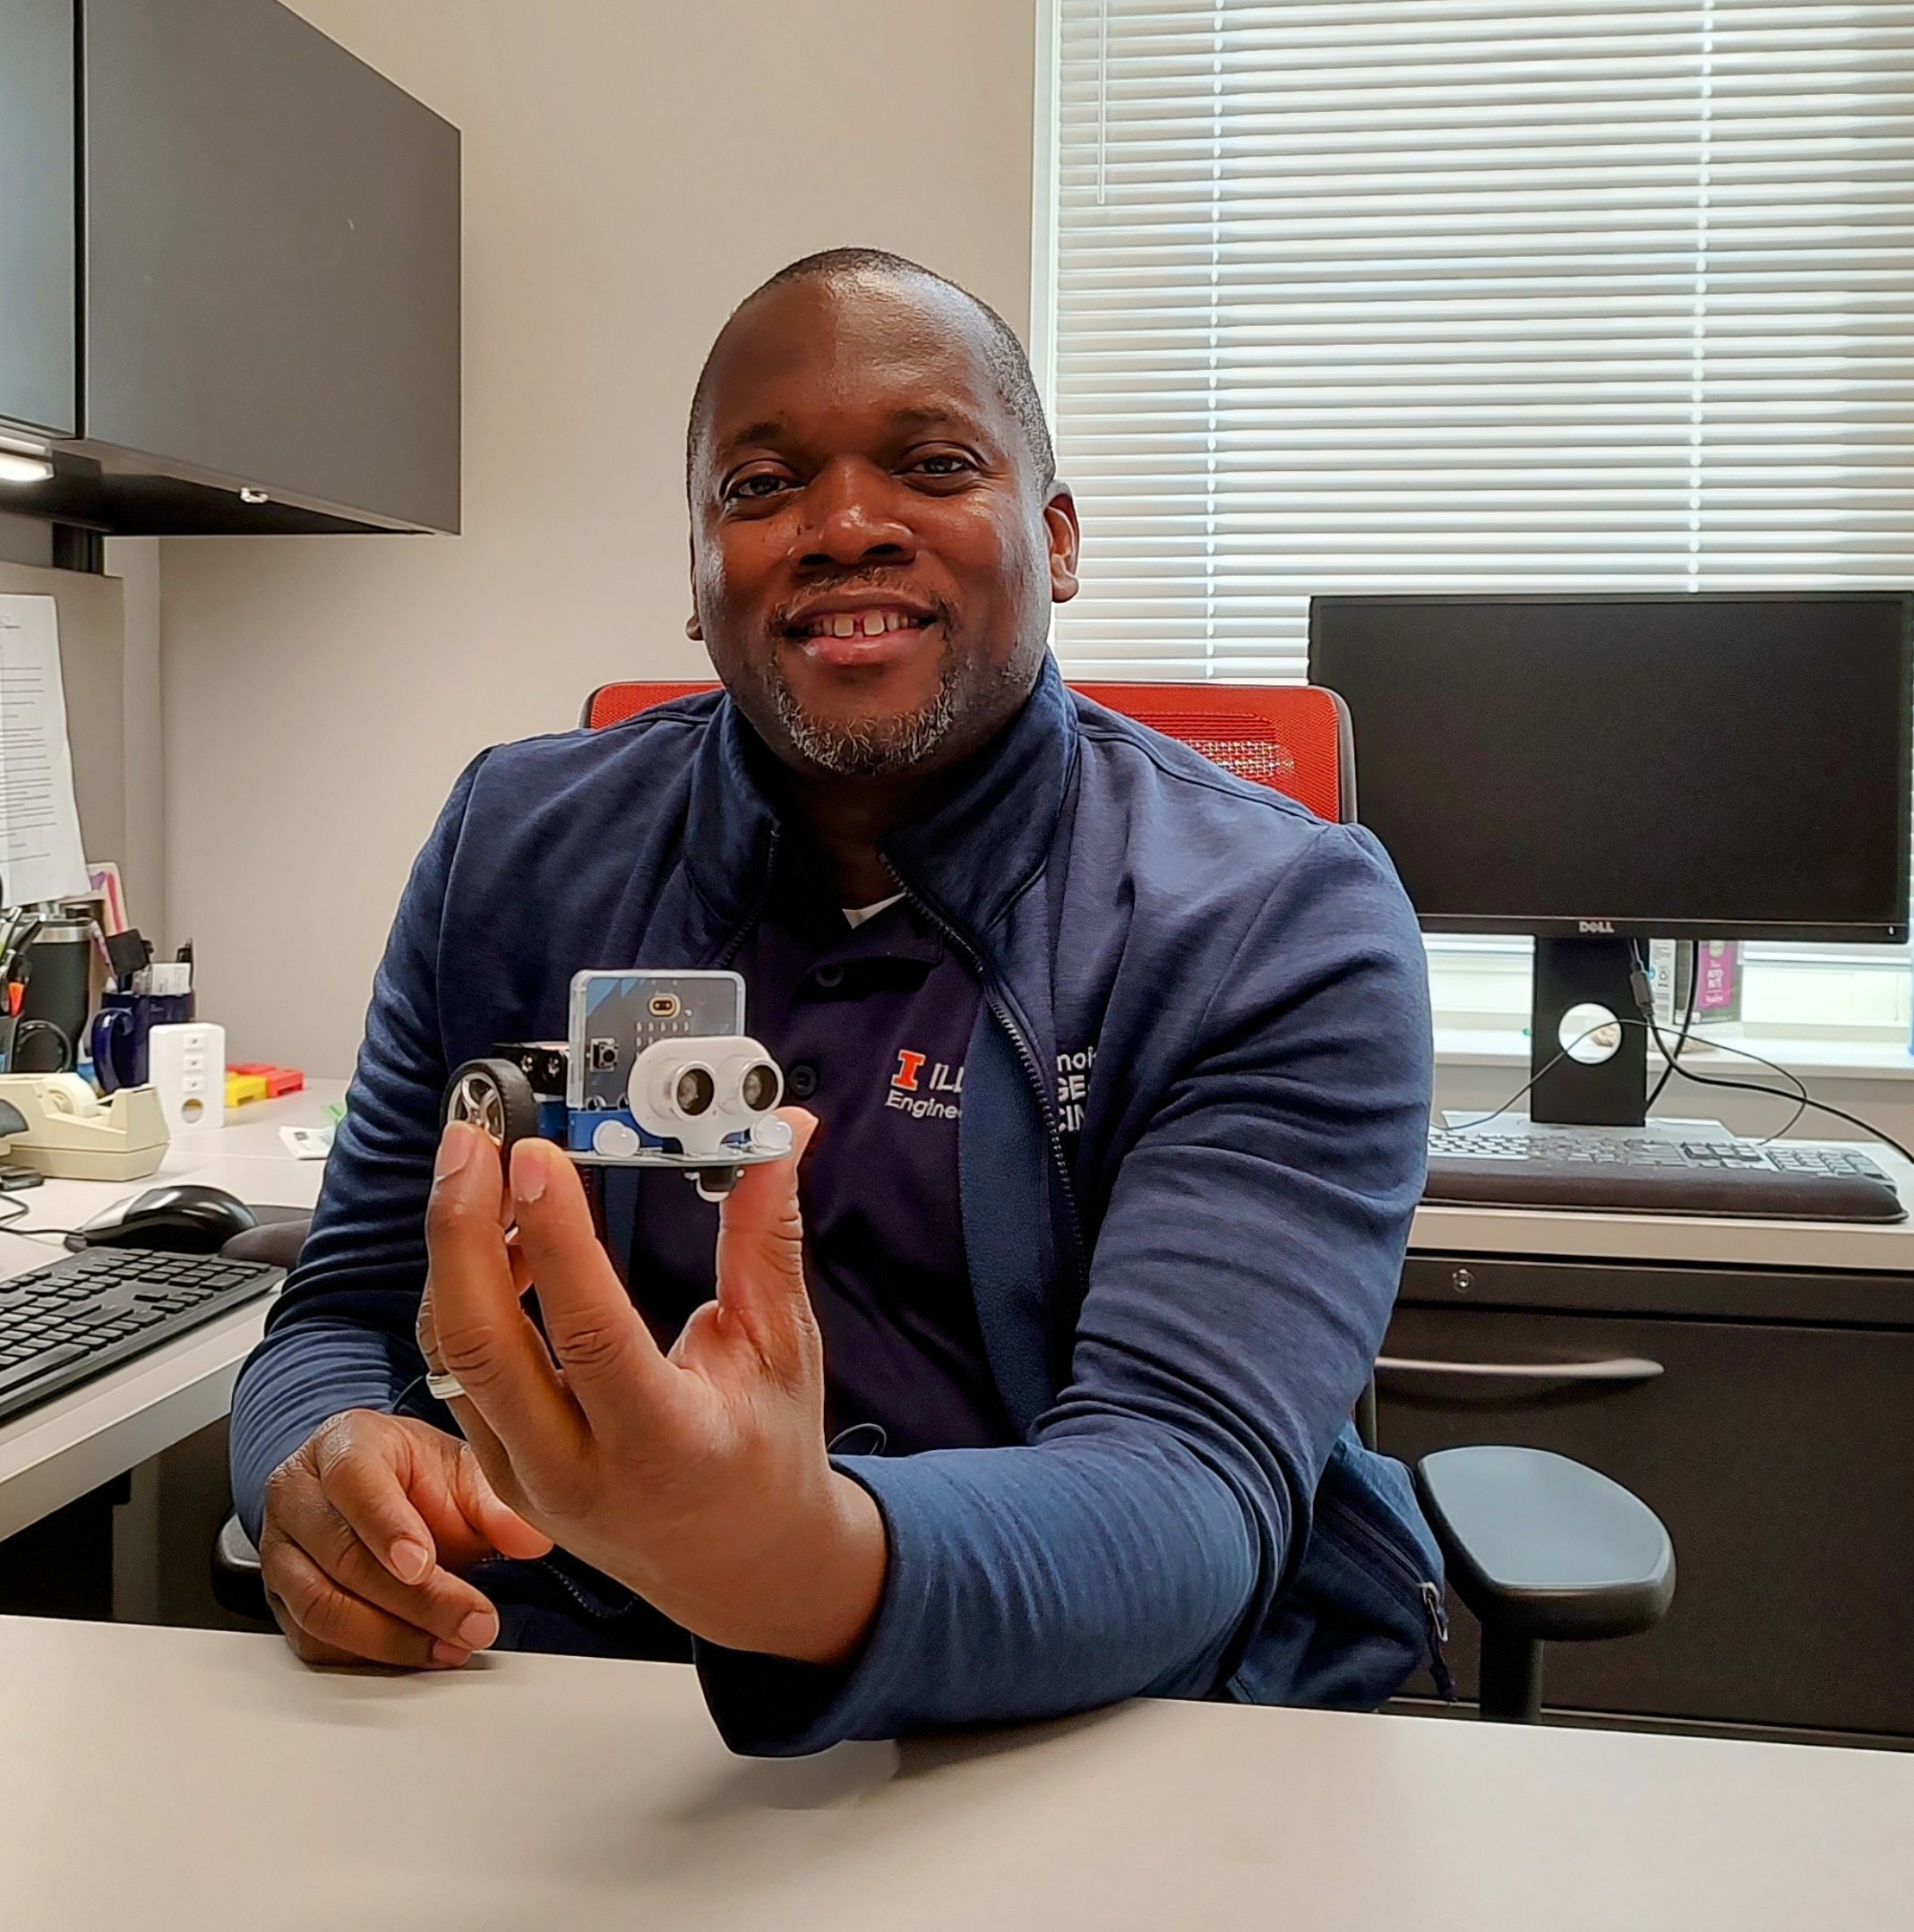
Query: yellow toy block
{"x": 241, "y": 1088}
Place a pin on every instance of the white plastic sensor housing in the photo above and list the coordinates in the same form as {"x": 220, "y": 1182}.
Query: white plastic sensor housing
{"x": 697, "y": 1091}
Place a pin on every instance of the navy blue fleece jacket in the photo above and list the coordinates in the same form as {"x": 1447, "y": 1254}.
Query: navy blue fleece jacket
{"x": 1178, "y": 1310}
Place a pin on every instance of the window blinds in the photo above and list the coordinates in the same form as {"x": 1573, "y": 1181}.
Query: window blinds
{"x": 1453, "y": 295}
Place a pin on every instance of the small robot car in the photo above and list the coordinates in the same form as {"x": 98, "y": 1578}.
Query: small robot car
{"x": 656, "y": 1070}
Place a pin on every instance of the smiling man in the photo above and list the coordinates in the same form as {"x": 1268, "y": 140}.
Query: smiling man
{"x": 998, "y": 1407}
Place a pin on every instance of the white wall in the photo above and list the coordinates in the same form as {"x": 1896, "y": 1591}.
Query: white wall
{"x": 630, "y": 172}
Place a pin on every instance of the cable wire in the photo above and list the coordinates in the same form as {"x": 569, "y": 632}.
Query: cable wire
{"x": 23, "y": 1211}
{"x": 1522, "y": 1092}
{"x": 1688, "y": 1021}
{"x": 1800, "y": 1096}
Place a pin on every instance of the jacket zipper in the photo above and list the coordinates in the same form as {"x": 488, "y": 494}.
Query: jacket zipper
{"x": 1033, "y": 1070}
{"x": 1435, "y": 1614}
{"x": 741, "y": 931}
{"x": 592, "y": 1607}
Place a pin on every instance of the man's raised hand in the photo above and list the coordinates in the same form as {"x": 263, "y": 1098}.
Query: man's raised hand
{"x": 698, "y": 1478}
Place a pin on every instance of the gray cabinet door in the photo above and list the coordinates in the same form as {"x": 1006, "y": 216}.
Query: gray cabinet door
{"x": 271, "y": 261}
{"x": 1782, "y": 1461}
{"x": 38, "y": 314}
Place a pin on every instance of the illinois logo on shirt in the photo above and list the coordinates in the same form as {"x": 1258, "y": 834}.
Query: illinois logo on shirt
{"x": 925, "y": 1089}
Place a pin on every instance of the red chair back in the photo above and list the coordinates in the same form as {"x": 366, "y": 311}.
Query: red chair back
{"x": 611, "y": 704}
{"x": 1293, "y": 738}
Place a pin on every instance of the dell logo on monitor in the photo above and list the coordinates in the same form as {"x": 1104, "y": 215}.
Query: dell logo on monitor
{"x": 1596, "y": 925}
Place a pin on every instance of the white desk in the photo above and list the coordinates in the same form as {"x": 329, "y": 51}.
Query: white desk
{"x": 176, "y": 1779}
{"x": 59, "y": 1451}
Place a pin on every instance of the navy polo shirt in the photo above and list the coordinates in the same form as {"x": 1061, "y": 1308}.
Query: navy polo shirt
{"x": 871, "y": 1024}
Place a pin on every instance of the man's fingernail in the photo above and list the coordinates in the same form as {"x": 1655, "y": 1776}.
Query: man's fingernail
{"x": 455, "y": 1149}
{"x": 410, "y": 1560}
{"x": 444, "y": 1652}
{"x": 478, "y": 1629}
{"x": 528, "y": 1180}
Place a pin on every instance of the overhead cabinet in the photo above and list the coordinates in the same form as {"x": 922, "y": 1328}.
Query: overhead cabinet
{"x": 38, "y": 261}
{"x": 229, "y": 273}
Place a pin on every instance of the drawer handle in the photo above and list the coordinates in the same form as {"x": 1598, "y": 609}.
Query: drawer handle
{"x": 1621, "y": 1369}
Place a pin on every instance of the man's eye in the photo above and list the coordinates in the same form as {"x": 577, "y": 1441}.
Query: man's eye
{"x": 755, "y": 488}
{"x": 944, "y": 465}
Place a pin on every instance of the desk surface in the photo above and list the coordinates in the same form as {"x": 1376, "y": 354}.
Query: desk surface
{"x": 173, "y": 1778}
{"x": 57, "y": 1452}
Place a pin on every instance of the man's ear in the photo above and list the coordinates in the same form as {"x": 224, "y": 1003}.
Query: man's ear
{"x": 693, "y": 628}
{"x": 1065, "y": 542}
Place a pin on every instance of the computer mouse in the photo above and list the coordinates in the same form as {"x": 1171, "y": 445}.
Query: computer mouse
{"x": 181, "y": 1218}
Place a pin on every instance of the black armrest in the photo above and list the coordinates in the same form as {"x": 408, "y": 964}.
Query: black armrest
{"x": 238, "y": 1584}
{"x": 1544, "y": 1548}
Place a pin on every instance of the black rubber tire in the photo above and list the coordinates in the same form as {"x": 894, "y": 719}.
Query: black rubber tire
{"x": 495, "y": 1095}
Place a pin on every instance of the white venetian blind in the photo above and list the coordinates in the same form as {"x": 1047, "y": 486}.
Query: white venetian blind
{"x": 1474, "y": 294}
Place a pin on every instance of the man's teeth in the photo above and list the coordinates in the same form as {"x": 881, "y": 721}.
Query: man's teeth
{"x": 864, "y": 623}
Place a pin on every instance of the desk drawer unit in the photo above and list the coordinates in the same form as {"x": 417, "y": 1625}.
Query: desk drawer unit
{"x": 1778, "y": 1450}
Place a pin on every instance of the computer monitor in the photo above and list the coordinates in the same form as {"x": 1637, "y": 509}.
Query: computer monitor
{"x": 1597, "y": 770}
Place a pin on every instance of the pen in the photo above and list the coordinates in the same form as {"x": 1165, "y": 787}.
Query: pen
{"x": 12, "y": 949}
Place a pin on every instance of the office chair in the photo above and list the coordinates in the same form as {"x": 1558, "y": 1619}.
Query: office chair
{"x": 1541, "y": 1549}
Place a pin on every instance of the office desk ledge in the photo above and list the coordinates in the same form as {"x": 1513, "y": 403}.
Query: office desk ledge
{"x": 212, "y": 1775}
{"x": 59, "y": 1451}
{"x": 54, "y": 1454}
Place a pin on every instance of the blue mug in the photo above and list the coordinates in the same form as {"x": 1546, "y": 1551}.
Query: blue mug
{"x": 121, "y": 1038}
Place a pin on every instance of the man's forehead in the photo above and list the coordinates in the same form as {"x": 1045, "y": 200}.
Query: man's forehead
{"x": 885, "y": 349}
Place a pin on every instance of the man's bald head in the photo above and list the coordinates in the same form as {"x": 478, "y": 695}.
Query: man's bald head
{"x": 844, "y": 268}
{"x": 876, "y": 533}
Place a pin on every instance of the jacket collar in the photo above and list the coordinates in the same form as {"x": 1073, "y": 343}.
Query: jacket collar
{"x": 971, "y": 856}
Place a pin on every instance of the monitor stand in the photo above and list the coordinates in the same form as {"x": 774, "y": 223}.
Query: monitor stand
{"x": 1604, "y": 1081}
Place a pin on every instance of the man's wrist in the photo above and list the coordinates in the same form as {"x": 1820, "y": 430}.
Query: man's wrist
{"x": 847, "y": 1589}
{"x": 811, "y": 1597}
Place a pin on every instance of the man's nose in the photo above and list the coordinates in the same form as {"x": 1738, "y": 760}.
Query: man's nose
{"x": 852, "y": 516}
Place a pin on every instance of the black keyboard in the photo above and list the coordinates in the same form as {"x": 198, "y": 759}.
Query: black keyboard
{"x": 1642, "y": 1174}
{"x": 92, "y": 1311}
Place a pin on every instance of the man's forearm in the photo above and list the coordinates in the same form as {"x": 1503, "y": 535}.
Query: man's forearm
{"x": 1022, "y": 1582}
{"x": 300, "y": 1377}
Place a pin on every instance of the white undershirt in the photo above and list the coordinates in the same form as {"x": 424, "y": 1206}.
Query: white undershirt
{"x": 856, "y": 915}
